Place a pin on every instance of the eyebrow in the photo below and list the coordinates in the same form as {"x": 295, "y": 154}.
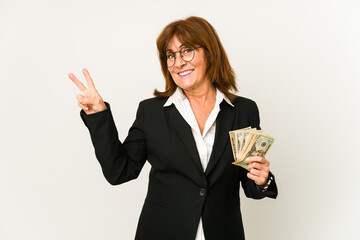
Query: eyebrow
{"x": 170, "y": 50}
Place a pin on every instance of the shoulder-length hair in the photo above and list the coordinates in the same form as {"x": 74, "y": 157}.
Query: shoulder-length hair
{"x": 196, "y": 31}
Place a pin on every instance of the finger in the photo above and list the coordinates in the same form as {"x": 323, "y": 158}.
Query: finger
{"x": 254, "y": 177}
{"x": 89, "y": 80}
{"x": 77, "y": 82}
{"x": 85, "y": 108}
{"x": 261, "y": 174}
{"x": 257, "y": 159}
{"x": 81, "y": 99}
{"x": 258, "y": 180}
{"x": 259, "y": 166}
{"x": 255, "y": 172}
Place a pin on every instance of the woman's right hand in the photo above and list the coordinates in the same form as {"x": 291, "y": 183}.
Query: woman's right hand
{"x": 90, "y": 101}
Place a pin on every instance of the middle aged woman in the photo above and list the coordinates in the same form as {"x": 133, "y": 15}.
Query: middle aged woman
{"x": 183, "y": 132}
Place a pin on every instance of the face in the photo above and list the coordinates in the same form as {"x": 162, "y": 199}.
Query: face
{"x": 190, "y": 76}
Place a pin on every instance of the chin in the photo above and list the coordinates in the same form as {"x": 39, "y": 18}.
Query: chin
{"x": 185, "y": 83}
{"x": 186, "y": 86}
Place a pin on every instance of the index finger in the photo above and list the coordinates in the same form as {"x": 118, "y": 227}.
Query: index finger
{"x": 255, "y": 159}
{"x": 77, "y": 82}
{"x": 89, "y": 80}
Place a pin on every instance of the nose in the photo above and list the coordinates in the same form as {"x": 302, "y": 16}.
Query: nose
{"x": 179, "y": 61}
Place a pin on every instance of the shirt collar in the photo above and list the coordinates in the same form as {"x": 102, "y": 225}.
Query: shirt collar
{"x": 179, "y": 95}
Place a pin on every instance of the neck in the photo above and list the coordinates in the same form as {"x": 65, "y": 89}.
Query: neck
{"x": 202, "y": 95}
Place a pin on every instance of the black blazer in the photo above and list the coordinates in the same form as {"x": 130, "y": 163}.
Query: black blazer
{"x": 179, "y": 191}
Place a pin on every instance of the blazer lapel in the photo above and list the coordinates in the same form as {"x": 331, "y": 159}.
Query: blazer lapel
{"x": 184, "y": 131}
{"x": 224, "y": 122}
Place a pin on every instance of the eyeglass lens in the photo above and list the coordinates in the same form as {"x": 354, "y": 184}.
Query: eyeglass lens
{"x": 187, "y": 54}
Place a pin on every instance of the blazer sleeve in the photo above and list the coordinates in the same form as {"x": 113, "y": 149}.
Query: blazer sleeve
{"x": 120, "y": 162}
{"x": 247, "y": 184}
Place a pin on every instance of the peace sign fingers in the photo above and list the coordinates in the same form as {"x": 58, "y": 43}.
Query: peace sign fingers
{"x": 90, "y": 101}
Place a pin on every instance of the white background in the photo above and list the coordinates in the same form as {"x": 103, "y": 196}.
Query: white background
{"x": 299, "y": 60}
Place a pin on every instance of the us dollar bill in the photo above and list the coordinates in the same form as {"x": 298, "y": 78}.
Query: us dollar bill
{"x": 236, "y": 140}
{"x": 259, "y": 145}
{"x": 241, "y": 139}
{"x": 232, "y": 141}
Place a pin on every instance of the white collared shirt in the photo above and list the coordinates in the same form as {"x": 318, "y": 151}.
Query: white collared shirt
{"x": 205, "y": 141}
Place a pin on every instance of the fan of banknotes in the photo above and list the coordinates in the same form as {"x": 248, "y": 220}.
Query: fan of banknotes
{"x": 247, "y": 142}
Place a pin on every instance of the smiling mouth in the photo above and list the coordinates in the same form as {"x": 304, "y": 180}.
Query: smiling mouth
{"x": 185, "y": 73}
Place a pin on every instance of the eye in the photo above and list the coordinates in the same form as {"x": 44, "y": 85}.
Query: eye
{"x": 187, "y": 50}
{"x": 170, "y": 55}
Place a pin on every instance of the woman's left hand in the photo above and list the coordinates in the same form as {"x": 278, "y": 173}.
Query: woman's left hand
{"x": 259, "y": 170}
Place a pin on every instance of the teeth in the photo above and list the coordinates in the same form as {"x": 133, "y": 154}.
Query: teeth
{"x": 185, "y": 73}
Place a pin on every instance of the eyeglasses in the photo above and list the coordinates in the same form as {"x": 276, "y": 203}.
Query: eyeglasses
{"x": 187, "y": 54}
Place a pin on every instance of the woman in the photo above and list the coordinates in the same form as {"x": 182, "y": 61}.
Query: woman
{"x": 193, "y": 190}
